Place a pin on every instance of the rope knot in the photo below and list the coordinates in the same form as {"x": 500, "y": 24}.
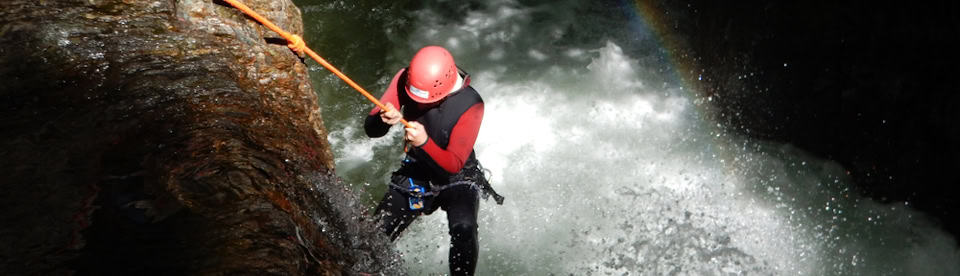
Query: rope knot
{"x": 296, "y": 44}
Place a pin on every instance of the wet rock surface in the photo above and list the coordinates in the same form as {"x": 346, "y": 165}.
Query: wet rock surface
{"x": 868, "y": 84}
{"x": 170, "y": 137}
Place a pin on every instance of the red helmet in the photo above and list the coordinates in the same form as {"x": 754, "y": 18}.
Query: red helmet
{"x": 432, "y": 75}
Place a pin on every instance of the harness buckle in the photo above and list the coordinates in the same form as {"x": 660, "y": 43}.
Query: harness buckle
{"x": 416, "y": 195}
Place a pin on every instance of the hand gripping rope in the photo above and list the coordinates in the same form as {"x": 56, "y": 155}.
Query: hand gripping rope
{"x": 297, "y": 45}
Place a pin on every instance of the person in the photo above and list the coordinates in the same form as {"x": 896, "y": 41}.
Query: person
{"x": 440, "y": 168}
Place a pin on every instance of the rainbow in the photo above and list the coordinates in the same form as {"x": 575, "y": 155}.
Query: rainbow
{"x": 649, "y": 16}
{"x": 645, "y": 15}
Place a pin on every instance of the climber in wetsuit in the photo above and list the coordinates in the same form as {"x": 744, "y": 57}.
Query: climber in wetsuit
{"x": 440, "y": 169}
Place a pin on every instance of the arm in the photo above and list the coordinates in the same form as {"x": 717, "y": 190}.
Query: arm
{"x": 374, "y": 125}
{"x": 462, "y": 138}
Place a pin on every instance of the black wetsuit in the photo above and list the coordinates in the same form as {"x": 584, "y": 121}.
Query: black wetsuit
{"x": 449, "y": 180}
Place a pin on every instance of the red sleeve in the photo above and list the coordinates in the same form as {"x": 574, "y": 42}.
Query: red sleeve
{"x": 389, "y": 96}
{"x": 462, "y": 138}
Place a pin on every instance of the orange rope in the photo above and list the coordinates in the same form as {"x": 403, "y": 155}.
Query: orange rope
{"x": 297, "y": 45}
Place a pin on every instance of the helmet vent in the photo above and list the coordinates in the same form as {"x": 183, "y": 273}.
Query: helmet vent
{"x": 434, "y": 69}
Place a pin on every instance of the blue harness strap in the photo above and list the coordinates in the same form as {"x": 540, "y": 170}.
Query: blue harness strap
{"x": 417, "y": 190}
{"x": 416, "y": 193}
{"x": 476, "y": 179}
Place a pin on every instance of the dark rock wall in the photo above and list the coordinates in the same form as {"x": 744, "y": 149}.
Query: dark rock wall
{"x": 173, "y": 137}
{"x": 870, "y": 84}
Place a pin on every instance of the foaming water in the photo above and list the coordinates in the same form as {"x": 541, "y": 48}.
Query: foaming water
{"x": 609, "y": 168}
{"x": 627, "y": 182}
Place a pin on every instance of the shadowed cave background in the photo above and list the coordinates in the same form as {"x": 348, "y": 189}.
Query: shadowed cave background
{"x": 872, "y": 85}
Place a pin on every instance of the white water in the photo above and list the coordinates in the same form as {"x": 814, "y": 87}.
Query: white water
{"x": 608, "y": 170}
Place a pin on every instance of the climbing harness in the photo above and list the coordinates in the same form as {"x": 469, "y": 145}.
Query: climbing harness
{"x": 416, "y": 190}
{"x": 419, "y": 191}
{"x": 296, "y": 44}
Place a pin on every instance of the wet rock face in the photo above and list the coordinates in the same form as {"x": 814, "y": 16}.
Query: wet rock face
{"x": 175, "y": 137}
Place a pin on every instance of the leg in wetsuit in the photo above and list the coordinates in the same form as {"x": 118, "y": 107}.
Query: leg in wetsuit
{"x": 461, "y": 204}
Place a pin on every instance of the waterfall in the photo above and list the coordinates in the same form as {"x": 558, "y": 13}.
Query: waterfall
{"x": 611, "y": 166}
